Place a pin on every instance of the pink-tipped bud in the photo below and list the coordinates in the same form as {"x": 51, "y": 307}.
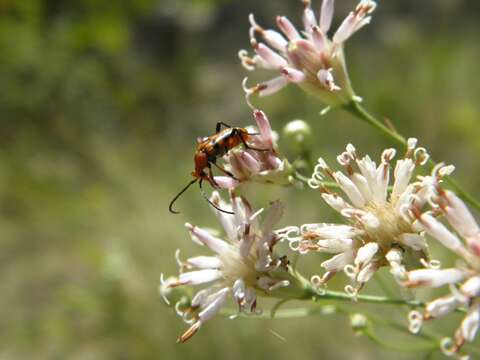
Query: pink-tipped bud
{"x": 275, "y": 39}
{"x": 264, "y": 127}
{"x": 319, "y": 39}
{"x": 459, "y": 216}
{"x": 270, "y": 56}
{"x": 326, "y": 15}
{"x": 309, "y": 18}
{"x": 326, "y": 79}
{"x": 271, "y": 86}
{"x": 293, "y": 75}
{"x": 287, "y": 28}
{"x": 441, "y": 233}
{"x": 226, "y": 182}
{"x": 433, "y": 278}
{"x": 251, "y": 164}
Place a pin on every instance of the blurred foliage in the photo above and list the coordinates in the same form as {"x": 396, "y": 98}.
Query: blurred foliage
{"x": 100, "y": 104}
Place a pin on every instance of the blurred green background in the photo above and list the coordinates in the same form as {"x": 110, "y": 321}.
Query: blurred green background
{"x": 100, "y": 105}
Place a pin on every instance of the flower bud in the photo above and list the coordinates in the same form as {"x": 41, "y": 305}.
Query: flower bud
{"x": 298, "y": 135}
{"x": 359, "y": 323}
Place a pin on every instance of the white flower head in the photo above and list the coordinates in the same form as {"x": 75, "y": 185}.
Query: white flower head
{"x": 381, "y": 227}
{"x": 242, "y": 267}
{"x": 462, "y": 238}
{"x": 309, "y": 57}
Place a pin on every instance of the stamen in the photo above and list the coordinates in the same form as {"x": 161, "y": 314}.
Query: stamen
{"x": 314, "y": 184}
{"x": 190, "y": 332}
{"x": 351, "y": 291}
{"x": 448, "y": 347}
{"x": 351, "y": 271}
{"x": 415, "y": 321}
{"x": 180, "y": 263}
{"x": 421, "y": 156}
{"x": 247, "y": 62}
{"x": 319, "y": 282}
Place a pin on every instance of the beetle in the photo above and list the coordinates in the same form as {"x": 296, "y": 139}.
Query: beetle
{"x": 211, "y": 148}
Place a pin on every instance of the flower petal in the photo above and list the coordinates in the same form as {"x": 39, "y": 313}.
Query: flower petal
{"x": 287, "y": 28}
{"x": 433, "y": 277}
{"x": 470, "y": 324}
{"x": 441, "y": 233}
{"x": 270, "y": 56}
{"x": 264, "y": 127}
{"x": 205, "y": 262}
{"x": 326, "y": 15}
{"x": 366, "y": 253}
{"x": 215, "y": 244}
{"x": 441, "y": 306}
{"x": 218, "y": 300}
{"x": 199, "y": 277}
{"x": 338, "y": 262}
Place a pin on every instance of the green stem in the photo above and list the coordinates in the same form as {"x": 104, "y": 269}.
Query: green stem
{"x": 385, "y": 322}
{"x": 307, "y": 312}
{"x": 403, "y": 348}
{"x": 368, "y": 299}
{"x": 279, "y": 314}
{"x": 310, "y": 292}
{"x": 357, "y": 110}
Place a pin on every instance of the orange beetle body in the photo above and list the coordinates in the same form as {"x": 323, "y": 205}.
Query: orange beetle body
{"x": 211, "y": 148}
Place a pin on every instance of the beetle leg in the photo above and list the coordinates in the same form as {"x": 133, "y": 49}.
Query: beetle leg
{"x": 226, "y": 172}
{"x": 210, "y": 178}
{"x": 245, "y": 143}
{"x": 219, "y": 126}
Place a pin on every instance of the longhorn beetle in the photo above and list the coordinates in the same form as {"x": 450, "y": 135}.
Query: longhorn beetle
{"x": 209, "y": 149}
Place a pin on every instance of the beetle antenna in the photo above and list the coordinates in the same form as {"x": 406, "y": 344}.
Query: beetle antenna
{"x": 210, "y": 202}
{"x": 170, "y": 207}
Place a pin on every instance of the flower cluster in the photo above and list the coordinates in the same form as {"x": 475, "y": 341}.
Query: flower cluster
{"x": 380, "y": 229}
{"x": 389, "y": 211}
{"x": 463, "y": 280}
{"x": 243, "y": 266}
{"x": 313, "y": 61}
{"x": 259, "y": 162}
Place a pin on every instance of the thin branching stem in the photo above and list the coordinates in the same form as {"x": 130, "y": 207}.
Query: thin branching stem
{"x": 370, "y": 334}
{"x": 310, "y": 292}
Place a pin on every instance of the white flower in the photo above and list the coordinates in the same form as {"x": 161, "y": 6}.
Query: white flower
{"x": 464, "y": 280}
{"x": 381, "y": 226}
{"x": 242, "y": 267}
{"x": 308, "y": 58}
{"x": 260, "y": 163}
